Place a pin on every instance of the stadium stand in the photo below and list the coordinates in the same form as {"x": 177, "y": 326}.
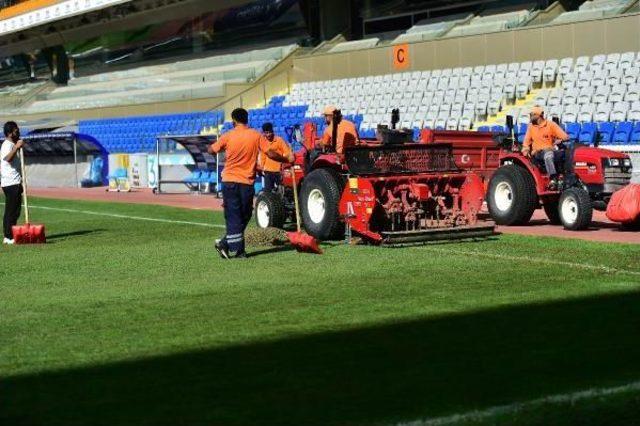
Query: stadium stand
{"x": 594, "y": 10}
{"x": 597, "y": 98}
{"x": 429, "y": 30}
{"x": 490, "y": 23}
{"x": 189, "y": 79}
{"x": 13, "y": 95}
{"x": 355, "y": 45}
{"x": 138, "y": 134}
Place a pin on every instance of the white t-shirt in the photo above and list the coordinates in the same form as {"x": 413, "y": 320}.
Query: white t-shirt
{"x": 9, "y": 171}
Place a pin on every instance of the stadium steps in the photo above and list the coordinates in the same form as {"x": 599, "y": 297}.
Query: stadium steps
{"x": 501, "y": 117}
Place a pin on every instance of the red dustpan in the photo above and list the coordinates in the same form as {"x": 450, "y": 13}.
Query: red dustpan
{"x": 28, "y": 233}
{"x": 304, "y": 243}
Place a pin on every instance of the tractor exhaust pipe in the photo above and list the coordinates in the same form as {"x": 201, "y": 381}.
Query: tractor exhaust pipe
{"x": 395, "y": 118}
{"x": 336, "y": 119}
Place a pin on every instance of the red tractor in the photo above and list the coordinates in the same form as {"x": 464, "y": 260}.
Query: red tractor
{"x": 516, "y": 186}
{"x": 387, "y": 191}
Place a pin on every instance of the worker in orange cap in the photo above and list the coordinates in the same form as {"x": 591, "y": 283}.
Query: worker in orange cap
{"x": 347, "y": 134}
{"x": 271, "y": 168}
{"x": 540, "y": 142}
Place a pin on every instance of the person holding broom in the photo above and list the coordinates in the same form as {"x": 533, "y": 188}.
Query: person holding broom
{"x": 241, "y": 146}
{"x": 10, "y": 178}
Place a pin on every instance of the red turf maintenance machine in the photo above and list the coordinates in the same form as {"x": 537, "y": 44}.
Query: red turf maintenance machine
{"x": 387, "y": 191}
{"x": 393, "y": 190}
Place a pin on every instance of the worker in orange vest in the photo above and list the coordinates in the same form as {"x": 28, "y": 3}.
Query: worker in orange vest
{"x": 241, "y": 146}
{"x": 271, "y": 168}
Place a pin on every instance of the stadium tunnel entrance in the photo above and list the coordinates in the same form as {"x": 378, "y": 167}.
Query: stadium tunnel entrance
{"x": 205, "y": 173}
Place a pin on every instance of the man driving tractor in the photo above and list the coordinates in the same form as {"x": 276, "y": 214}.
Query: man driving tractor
{"x": 540, "y": 142}
{"x": 347, "y": 134}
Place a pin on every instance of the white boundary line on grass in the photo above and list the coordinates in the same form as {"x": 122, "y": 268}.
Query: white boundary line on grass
{"x": 576, "y": 265}
{"x": 558, "y": 399}
{"x": 124, "y": 216}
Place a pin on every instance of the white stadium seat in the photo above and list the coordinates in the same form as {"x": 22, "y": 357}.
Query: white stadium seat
{"x": 634, "y": 111}
{"x": 619, "y": 111}
{"x": 586, "y": 113}
{"x": 602, "y": 113}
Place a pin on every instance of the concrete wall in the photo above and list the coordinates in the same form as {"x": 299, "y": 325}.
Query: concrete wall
{"x": 123, "y": 111}
{"x": 618, "y": 34}
{"x": 277, "y": 81}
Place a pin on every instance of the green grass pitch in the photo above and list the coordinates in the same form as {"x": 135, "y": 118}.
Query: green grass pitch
{"x": 133, "y": 322}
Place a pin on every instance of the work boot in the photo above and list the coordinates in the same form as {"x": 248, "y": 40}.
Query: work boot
{"x": 222, "y": 249}
{"x": 241, "y": 255}
{"x": 553, "y": 184}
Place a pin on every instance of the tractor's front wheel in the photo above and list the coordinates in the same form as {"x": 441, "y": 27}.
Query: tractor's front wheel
{"x": 575, "y": 209}
{"x": 319, "y": 202}
{"x": 512, "y": 196}
{"x": 269, "y": 211}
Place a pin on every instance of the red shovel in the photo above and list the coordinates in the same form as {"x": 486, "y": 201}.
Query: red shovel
{"x": 304, "y": 243}
{"x": 27, "y": 233}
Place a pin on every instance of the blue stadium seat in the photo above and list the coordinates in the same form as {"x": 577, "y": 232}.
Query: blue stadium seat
{"x": 521, "y": 131}
{"x": 484, "y": 129}
{"x": 194, "y": 177}
{"x": 605, "y": 132}
{"x": 622, "y": 133}
{"x": 635, "y": 134}
{"x": 497, "y": 129}
{"x": 588, "y": 133}
{"x": 573, "y": 130}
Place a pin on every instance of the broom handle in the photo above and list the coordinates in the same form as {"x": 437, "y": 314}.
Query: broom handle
{"x": 295, "y": 196}
{"x": 24, "y": 187}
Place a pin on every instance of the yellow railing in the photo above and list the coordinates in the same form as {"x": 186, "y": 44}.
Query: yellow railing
{"x": 24, "y": 7}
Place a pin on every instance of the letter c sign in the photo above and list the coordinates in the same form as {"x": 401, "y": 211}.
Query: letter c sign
{"x": 401, "y": 56}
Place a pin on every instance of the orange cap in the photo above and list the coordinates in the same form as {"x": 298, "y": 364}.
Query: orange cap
{"x": 328, "y": 110}
{"x": 537, "y": 110}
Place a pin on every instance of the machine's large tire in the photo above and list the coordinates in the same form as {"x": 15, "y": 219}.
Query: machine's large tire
{"x": 319, "y": 202}
{"x": 575, "y": 209}
{"x": 269, "y": 211}
{"x": 511, "y": 196}
{"x": 632, "y": 226}
{"x": 551, "y": 209}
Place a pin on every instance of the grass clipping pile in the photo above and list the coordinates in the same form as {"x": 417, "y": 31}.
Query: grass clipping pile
{"x": 265, "y": 237}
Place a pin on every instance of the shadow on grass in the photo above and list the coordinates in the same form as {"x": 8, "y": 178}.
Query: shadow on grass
{"x": 276, "y": 249}
{"x": 377, "y": 374}
{"x": 65, "y": 235}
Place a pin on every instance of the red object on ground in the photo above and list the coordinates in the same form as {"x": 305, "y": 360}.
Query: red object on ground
{"x": 304, "y": 243}
{"x": 624, "y": 206}
{"x": 29, "y": 234}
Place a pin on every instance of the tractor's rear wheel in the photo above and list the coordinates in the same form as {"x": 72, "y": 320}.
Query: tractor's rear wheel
{"x": 512, "y": 196}
{"x": 319, "y": 202}
{"x": 551, "y": 209}
{"x": 576, "y": 209}
{"x": 269, "y": 211}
